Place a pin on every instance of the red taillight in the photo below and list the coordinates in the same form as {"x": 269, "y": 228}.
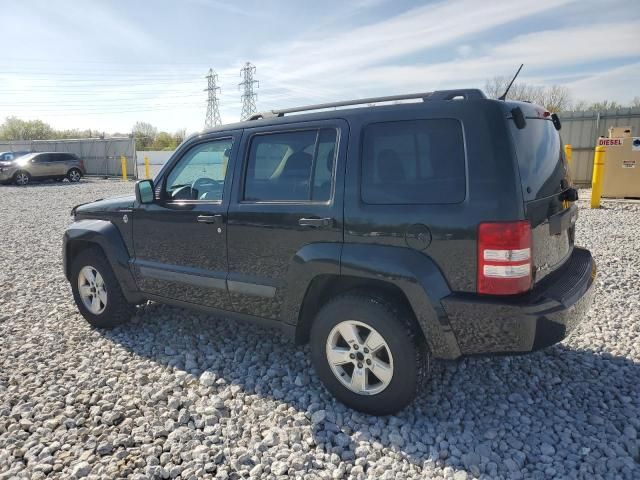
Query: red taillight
{"x": 504, "y": 258}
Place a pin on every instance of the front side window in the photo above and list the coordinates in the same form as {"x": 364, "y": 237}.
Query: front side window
{"x": 200, "y": 173}
{"x": 413, "y": 162}
{"x": 290, "y": 166}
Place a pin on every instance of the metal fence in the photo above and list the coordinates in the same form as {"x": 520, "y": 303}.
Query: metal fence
{"x": 101, "y": 157}
{"x": 582, "y": 129}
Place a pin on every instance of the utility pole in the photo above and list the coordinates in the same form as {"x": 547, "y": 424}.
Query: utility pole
{"x": 248, "y": 96}
{"x": 213, "y": 113}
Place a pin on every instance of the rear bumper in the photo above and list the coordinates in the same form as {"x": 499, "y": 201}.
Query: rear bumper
{"x": 529, "y": 322}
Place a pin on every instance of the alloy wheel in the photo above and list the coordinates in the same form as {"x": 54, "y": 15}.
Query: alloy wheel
{"x": 22, "y": 178}
{"x": 92, "y": 290}
{"x": 359, "y": 357}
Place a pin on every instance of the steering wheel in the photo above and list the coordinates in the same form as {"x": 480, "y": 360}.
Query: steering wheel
{"x": 198, "y": 183}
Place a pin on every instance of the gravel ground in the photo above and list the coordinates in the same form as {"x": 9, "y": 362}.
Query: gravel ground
{"x": 175, "y": 394}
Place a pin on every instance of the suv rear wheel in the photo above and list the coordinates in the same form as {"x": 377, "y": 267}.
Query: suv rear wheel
{"x": 368, "y": 353}
{"x": 74, "y": 175}
{"x": 96, "y": 290}
{"x": 22, "y": 178}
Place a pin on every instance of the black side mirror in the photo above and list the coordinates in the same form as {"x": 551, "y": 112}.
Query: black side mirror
{"x": 144, "y": 191}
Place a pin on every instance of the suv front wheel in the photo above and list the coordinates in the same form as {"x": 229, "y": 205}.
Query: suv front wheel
{"x": 368, "y": 353}
{"x": 74, "y": 175}
{"x": 22, "y": 178}
{"x": 96, "y": 290}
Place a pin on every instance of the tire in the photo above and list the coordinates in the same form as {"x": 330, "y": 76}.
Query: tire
{"x": 22, "y": 178}
{"x": 74, "y": 175}
{"x": 404, "y": 352}
{"x": 112, "y": 307}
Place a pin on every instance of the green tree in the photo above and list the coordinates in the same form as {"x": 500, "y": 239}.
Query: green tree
{"x": 145, "y": 134}
{"x": 16, "y": 129}
{"x": 74, "y": 133}
{"x": 164, "y": 141}
{"x": 605, "y": 105}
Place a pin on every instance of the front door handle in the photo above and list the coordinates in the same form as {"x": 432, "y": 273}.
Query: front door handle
{"x": 315, "y": 222}
{"x": 211, "y": 219}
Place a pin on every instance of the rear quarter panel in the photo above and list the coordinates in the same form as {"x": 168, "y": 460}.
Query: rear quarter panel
{"x": 492, "y": 190}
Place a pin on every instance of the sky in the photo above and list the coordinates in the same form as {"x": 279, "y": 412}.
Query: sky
{"x": 104, "y": 65}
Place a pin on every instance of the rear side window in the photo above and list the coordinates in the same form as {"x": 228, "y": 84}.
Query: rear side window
{"x": 540, "y": 158}
{"x": 288, "y": 166}
{"x": 413, "y": 162}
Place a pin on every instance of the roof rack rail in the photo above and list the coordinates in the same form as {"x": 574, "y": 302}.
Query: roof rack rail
{"x": 467, "y": 94}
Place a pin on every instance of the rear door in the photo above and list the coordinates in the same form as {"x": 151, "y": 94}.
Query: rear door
{"x": 286, "y": 196}
{"x": 544, "y": 179}
{"x": 61, "y": 163}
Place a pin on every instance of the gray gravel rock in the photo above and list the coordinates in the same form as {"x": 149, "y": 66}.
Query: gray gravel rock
{"x": 178, "y": 394}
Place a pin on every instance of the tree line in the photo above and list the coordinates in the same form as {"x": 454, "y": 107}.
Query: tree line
{"x": 147, "y": 136}
{"x": 554, "y": 98}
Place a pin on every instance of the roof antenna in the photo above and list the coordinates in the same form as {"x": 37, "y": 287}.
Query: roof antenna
{"x": 504, "y": 95}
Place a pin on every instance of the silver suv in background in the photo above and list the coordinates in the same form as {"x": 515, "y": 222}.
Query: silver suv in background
{"x": 41, "y": 166}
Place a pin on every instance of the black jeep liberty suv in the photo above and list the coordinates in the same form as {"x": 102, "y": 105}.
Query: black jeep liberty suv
{"x": 431, "y": 225}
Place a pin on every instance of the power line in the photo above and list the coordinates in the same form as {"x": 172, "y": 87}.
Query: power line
{"x": 248, "y": 96}
{"x": 213, "y": 113}
{"x": 67, "y": 112}
{"x": 132, "y": 82}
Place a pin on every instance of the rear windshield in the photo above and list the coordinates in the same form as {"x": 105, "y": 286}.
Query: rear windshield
{"x": 540, "y": 158}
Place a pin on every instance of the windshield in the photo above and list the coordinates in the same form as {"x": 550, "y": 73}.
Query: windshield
{"x": 540, "y": 158}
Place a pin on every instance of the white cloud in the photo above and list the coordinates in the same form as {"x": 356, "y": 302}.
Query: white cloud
{"x": 546, "y": 55}
{"x": 414, "y": 31}
{"x": 601, "y": 86}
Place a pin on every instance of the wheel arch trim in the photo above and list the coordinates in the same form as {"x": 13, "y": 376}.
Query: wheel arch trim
{"x": 104, "y": 234}
{"x": 412, "y": 273}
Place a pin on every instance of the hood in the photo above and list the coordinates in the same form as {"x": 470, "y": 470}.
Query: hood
{"x": 107, "y": 205}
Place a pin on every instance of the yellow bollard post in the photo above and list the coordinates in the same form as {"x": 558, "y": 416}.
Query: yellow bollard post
{"x": 123, "y": 164}
{"x": 598, "y": 174}
{"x": 146, "y": 167}
{"x": 568, "y": 154}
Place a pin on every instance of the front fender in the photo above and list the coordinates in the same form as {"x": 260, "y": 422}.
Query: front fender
{"x": 106, "y": 235}
{"x": 417, "y": 275}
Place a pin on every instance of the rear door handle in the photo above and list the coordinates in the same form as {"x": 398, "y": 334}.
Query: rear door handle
{"x": 315, "y": 222}
{"x": 211, "y": 219}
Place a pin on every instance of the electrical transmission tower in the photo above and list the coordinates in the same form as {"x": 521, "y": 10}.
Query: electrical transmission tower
{"x": 248, "y": 96}
{"x": 213, "y": 113}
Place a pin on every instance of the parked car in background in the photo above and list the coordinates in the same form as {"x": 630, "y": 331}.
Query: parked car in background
{"x": 11, "y": 156}
{"x": 42, "y": 166}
